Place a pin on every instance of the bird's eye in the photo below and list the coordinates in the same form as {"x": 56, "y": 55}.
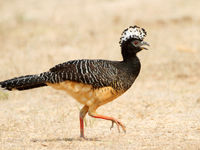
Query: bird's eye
{"x": 136, "y": 42}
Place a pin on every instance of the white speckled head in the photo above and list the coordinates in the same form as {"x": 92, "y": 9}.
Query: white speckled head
{"x": 133, "y": 32}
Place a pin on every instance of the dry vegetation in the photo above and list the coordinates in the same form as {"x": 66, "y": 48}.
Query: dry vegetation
{"x": 161, "y": 110}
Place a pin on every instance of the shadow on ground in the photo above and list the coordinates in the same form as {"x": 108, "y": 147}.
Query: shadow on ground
{"x": 64, "y": 139}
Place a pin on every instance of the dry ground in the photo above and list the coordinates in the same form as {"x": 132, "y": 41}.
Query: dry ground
{"x": 161, "y": 110}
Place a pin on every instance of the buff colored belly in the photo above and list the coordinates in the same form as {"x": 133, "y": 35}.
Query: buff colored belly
{"x": 85, "y": 94}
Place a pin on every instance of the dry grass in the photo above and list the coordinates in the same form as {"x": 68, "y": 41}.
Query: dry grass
{"x": 161, "y": 110}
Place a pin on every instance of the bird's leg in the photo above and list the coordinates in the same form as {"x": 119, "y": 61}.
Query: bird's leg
{"x": 118, "y": 123}
{"x": 83, "y": 112}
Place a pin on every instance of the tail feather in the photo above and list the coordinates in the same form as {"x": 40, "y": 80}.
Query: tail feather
{"x": 23, "y": 83}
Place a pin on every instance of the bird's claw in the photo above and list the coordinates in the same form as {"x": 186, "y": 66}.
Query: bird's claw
{"x": 112, "y": 125}
{"x": 118, "y": 123}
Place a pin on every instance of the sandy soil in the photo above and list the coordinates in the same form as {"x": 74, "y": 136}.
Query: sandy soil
{"x": 160, "y": 111}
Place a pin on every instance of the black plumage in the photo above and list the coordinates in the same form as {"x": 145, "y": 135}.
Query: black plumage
{"x": 98, "y": 73}
{"x": 23, "y": 83}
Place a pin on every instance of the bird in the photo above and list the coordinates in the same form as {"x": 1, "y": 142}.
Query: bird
{"x": 92, "y": 82}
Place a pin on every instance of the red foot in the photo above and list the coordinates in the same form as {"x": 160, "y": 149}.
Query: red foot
{"x": 118, "y": 123}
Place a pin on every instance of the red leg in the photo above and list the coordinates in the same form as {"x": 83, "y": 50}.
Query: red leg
{"x": 83, "y": 112}
{"x": 81, "y": 127}
{"x": 118, "y": 123}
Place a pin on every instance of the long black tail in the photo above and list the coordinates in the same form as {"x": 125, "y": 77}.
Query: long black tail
{"x": 23, "y": 82}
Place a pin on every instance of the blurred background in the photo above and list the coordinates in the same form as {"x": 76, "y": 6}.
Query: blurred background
{"x": 160, "y": 111}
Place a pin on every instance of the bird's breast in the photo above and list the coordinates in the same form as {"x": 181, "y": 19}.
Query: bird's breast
{"x": 86, "y": 94}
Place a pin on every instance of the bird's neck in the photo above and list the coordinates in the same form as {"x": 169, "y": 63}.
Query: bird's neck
{"x": 128, "y": 54}
{"x": 129, "y": 67}
{"x": 131, "y": 61}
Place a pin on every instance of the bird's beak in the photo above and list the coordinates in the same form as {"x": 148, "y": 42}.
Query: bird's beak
{"x": 143, "y": 43}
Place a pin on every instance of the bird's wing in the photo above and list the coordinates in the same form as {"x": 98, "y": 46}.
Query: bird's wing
{"x": 98, "y": 73}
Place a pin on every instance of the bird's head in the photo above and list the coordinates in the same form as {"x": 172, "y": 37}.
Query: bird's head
{"x": 132, "y": 39}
